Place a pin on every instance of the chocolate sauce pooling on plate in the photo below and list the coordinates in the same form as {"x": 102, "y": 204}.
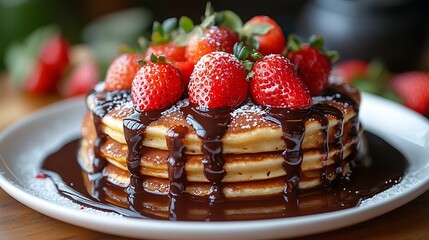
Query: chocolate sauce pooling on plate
{"x": 387, "y": 168}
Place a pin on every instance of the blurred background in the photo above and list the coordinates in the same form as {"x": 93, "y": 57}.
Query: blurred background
{"x": 394, "y": 32}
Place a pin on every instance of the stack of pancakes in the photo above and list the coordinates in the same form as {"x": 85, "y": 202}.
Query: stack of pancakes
{"x": 252, "y": 149}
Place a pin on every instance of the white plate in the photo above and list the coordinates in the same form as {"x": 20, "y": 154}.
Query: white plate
{"x": 24, "y": 145}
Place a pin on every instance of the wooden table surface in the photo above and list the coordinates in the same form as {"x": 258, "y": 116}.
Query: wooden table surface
{"x": 17, "y": 221}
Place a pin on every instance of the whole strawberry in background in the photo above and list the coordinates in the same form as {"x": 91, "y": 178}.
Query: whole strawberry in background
{"x": 350, "y": 70}
{"x": 312, "y": 61}
{"x": 212, "y": 39}
{"x": 121, "y": 71}
{"x": 276, "y": 83}
{"x": 218, "y": 80}
{"x": 157, "y": 85}
{"x": 81, "y": 80}
{"x": 413, "y": 89}
{"x": 265, "y": 35}
{"x": 37, "y": 65}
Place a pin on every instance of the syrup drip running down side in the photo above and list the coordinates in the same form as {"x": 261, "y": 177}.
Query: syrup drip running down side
{"x": 210, "y": 126}
{"x": 134, "y": 130}
{"x": 329, "y": 171}
{"x": 176, "y": 171}
{"x": 293, "y": 127}
{"x": 106, "y": 101}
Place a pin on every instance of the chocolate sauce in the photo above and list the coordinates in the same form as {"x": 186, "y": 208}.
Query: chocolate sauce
{"x": 293, "y": 128}
{"x": 210, "y": 126}
{"x": 134, "y": 131}
{"x": 176, "y": 170}
{"x": 105, "y": 101}
{"x": 366, "y": 181}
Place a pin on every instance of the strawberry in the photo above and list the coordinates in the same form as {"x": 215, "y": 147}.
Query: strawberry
{"x": 413, "y": 89}
{"x": 38, "y": 63}
{"x": 171, "y": 51}
{"x": 41, "y": 79}
{"x": 55, "y": 53}
{"x": 185, "y": 68}
{"x": 156, "y": 86}
{"x": 175, "y": 55}
{"x": 268, "y": 34}
{"x": 121, "y": 72}
{"x": 351, "y": 69}
{"x": 313, "y": 66}
{"x": 82, "y": 79}
{"x": 213, "y": 39}
{"x": 276, "y": 83}
{"x": 218, "y": 80}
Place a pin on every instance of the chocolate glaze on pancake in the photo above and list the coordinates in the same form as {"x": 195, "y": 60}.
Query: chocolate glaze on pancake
{"x": 106, "y": 101}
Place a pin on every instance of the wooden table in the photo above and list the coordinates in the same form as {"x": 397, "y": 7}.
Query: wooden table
{"x": 17, "y": 221}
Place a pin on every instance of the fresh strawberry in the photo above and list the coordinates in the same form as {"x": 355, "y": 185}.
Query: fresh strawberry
{"x": 413, "y": 89}
{"x": 218, "y": 80}
{"x": 268, "y": 34}
{"x": 156, "y": 86}
{"x": 175, "y": 55}
{"x": 276, "y": 83}
{"x": 121, "y": 72}
{"x": 55, "y": 53}
{"x": 213, "y": 39}
{"x": 171, "y": 51}
{"x": 313, "y": 66}
{"x": 186, "y": 69}
{"x": 81, "y": 80}
{"x": 37, "y": 64}
{"x": 351, "y": 69}
{"x": 41, "y": 79}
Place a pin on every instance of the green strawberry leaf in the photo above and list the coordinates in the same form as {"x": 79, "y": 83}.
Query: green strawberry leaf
{"x": 293, "y": 43}
{"x": 256, "y": 29}
{"x": 208, "y": 21}
{"x": 169, "y": 25}
{"x": 186, "y": 24}
{"x": 316, "y": 41}
{"x": 231, "y": 20}
{"x": 241, "y": 51}
{"x": 332, "y": 55}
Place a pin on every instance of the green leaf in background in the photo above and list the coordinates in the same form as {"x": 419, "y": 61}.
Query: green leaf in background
{"x": 106, "y": 34}
{"x": 256, "y": 29}
{"x": 169, "y": 25}
{"x": 186, "y": 24}
{"x": 231, "y": 20}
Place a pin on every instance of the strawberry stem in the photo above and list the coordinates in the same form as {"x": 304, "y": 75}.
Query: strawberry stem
{"x": 241, "y": 51}
{"x": 293, "y": 43}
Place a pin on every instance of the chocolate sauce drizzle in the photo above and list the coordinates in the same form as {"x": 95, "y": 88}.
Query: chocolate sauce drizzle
{"x": 210, "y": 126}
{"x": 134, "y": 131}
{"x": 105, "y": 102}
{"x": 176, "y": 170}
